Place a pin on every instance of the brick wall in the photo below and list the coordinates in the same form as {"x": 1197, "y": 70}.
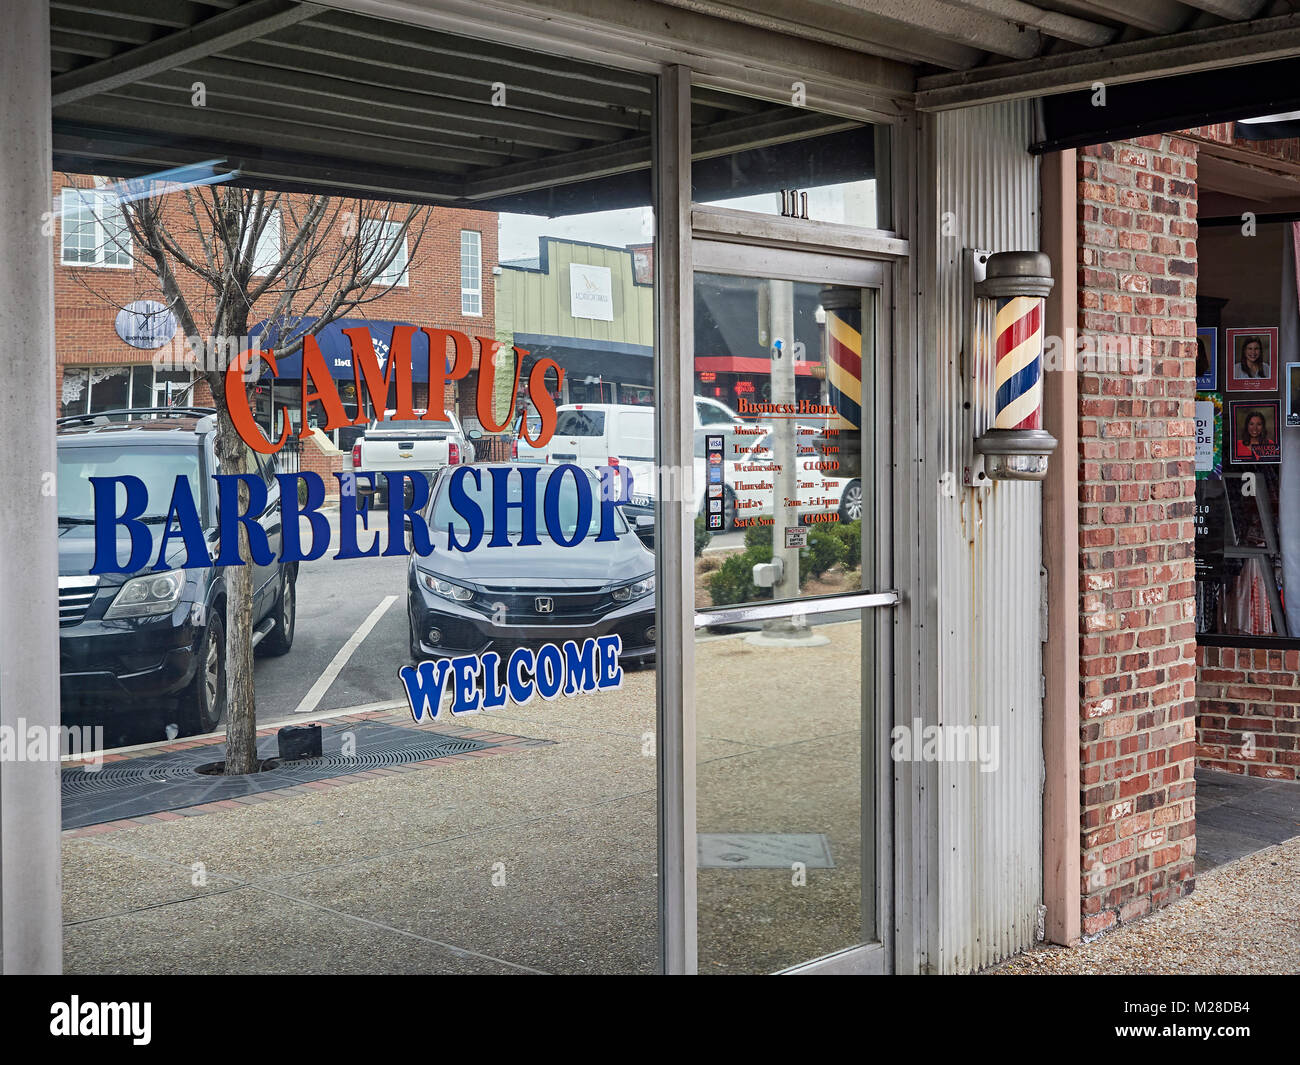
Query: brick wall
{"x": 1249, "y": 711}
{"x": 323, "y": 460}
{"x": 1137, "y": 289}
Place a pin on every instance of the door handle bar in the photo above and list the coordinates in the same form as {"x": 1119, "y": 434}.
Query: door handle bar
{"x": 822, "y": 605}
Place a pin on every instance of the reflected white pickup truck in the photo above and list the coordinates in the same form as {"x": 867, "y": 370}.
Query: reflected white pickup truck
{"x": 408, "y": 446}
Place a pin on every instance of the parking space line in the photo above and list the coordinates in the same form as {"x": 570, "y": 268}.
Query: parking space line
{"x": 332, "y": 671}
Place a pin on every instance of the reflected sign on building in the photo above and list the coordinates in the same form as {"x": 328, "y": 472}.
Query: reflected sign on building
{"x": 591, "y": 292}
{"x": 145, "y": 324}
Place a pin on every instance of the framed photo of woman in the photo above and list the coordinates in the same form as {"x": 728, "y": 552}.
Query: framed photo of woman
{"x": 1252, "y": 359}
{"x": 1207, "y": 360}
{"x": 1254, "y": 432}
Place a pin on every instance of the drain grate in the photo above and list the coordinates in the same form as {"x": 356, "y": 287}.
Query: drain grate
{"x": 170, "y": 781}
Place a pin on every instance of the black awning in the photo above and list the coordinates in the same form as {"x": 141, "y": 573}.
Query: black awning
{"x": 1164, "y": 105}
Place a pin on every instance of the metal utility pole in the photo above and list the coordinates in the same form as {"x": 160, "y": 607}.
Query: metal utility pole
{"x": 784, "y": 452}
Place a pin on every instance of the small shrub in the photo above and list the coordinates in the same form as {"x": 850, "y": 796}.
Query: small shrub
{"x": 825, "y": 549}
{"x": 709, "y": 563}
{"x": 734, "y": 580}
{"x": 759, "y": 536}
{"x": 850, "y": 534}
{"x": 702, "y": 535}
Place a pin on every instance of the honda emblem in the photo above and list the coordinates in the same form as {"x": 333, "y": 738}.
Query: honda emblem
{"x": 545, "y": 605}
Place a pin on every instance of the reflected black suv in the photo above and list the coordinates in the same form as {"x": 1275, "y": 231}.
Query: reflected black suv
{"x": 156, "y": 638}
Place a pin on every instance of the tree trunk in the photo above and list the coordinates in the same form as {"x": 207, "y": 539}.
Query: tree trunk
{"x": 241, "y": 710}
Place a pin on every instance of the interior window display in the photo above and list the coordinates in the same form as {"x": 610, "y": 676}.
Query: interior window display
{"x": 1247, "y": 515}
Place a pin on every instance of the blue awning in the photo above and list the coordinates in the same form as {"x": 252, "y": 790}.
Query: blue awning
{"x": 337, "y": 348}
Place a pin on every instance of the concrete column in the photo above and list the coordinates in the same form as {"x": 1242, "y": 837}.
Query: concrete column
{"x": 31, "y": 939}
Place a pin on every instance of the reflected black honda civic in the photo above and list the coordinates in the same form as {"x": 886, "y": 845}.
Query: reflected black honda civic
{"x": 469, "y": 601}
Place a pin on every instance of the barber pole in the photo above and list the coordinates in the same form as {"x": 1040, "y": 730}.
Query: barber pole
{"x": 843, "y": 308}
{"x": 1016, "y": 446}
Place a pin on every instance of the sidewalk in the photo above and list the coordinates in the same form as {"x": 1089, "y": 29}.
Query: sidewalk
{"x": 521, "y": 857}
{"x": 1243, "y": 918}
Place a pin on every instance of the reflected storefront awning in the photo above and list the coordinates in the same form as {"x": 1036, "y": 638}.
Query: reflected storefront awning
{"x": 747, "y": 364}
{"x": 337, "y": 348}
{"x": 614, "y": 360}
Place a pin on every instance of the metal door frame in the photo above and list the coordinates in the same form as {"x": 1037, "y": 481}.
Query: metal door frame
{"x": 741, "y": 243}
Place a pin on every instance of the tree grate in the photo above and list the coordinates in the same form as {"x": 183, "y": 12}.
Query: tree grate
{"x": 157, "y": 783}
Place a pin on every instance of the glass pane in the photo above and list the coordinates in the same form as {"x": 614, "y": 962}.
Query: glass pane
{"x": 110, "y": 388}
{"x": 783, "y": 481}
{"x": 501, "y": 829}
{"x": 748, "y": 152}
{"x": 785, "y": 516}
{"x": 779, "y": 795}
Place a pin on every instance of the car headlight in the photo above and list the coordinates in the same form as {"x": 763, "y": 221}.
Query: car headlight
{"x": 446, "y": 589}
{"x": 635, "y": 590}
{"x": 154, "y": 593}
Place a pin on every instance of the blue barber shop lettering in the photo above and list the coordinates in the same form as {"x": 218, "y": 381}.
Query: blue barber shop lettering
{"x": 182, "y": 526}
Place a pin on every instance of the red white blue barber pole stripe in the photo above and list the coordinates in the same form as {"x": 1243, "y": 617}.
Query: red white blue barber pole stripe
{"x": 1018, "y": 363}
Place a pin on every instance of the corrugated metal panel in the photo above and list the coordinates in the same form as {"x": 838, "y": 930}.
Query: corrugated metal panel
{"x": 989, "y": 831}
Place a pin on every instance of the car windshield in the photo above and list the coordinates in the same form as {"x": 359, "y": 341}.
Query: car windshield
{"x": 157, "y": 466}
{"x": 445, "y": 515}
{"x": 580, "y": 423}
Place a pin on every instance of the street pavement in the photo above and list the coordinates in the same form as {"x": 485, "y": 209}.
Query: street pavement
{"x": 335, "y": 599}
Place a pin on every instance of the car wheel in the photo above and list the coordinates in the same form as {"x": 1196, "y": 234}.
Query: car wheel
{"x": 280, "y": 639}
{"x": 203, "y": 704}
{"x": 851, "y": 502}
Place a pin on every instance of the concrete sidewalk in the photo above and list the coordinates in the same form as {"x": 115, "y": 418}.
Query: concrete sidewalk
{"x": 515, "y": 859}
{"x": 1243, "y": 918}
{"x": 523, "y": 857}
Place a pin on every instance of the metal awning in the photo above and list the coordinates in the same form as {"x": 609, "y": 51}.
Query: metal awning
{"x": 307, "y": 97}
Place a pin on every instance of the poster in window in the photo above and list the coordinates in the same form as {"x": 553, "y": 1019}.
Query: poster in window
{"x": 1252, "y": 359}
{"x": 1211, "y": 523}
{"x": 1207, "y": 360}
{"x": 1209, "y": 436}
{"x": 1254, "y": 432}
{"x": 1293, "y": 393}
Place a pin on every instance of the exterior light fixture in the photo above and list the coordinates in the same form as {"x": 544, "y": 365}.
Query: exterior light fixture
{"x": 1008, "y": 346}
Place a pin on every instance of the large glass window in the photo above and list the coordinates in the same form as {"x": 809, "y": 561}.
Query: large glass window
{"x": 379, "y": 240}
{"x": 471, "y": 272}
{"x": 267, "y": 252}
{"x": 93, "y": 229}
{"x": 519, "y": 834}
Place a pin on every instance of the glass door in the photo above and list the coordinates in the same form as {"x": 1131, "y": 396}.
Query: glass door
{"x": 793, "y": 590}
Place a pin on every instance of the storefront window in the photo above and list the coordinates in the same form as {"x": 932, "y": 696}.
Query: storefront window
{"x": 1248, "y": 436}
{"x": 490, "y": 825}
{"x": 91, "y": 389}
